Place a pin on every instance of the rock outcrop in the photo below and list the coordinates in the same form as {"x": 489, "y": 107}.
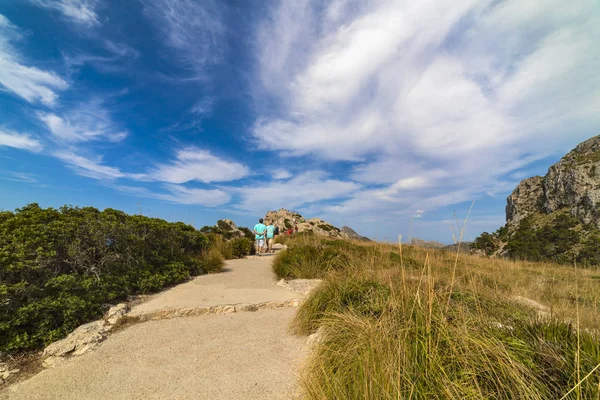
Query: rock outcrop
{"x": 284, "y": 220}
{"x": 86, "y": 337}
{"x": 555, "y": 217}
{"x": 572, "y": 184}
{"x": 351, "y": 234}
{"x": 524, "y": 200}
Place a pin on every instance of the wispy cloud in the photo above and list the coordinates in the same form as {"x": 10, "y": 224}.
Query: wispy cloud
{"x": 89, "y": 121}
{"x": 302, "y": 190}
{"x": 24, "y": 177}
{"x": 180, "y": 195}
{"x": 21, "y": 141}
{"x": 200, "y": 110}
{"x": 89, "y": 167}
{"x": 193, "y": 29}
{"x": 116, "y": 58}
{"x": 190, "y": 165}
{"x": 281, "y": 174}
{"x": 82, "y": 12}
{"x": 28, "y": 82}
{"x": 193, "y": 164}
{"x": 426, "y": 92}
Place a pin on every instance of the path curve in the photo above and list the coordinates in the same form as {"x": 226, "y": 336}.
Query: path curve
{"x": 245, "y": 355}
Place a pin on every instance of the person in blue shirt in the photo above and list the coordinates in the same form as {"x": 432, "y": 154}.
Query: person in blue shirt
{"x": 259, "y": 231}
{"x": 270, "y": 237}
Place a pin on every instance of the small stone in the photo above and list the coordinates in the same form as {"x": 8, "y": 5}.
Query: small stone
{"x": 228, "y": 309}
{"x": 300, "y": 286}
{"x": 116, "y": 313}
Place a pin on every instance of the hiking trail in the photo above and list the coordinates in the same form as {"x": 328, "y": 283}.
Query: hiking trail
{"x": 218, "y": 336}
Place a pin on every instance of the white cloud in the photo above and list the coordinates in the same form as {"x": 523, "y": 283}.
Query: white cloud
{"x": 89, "y": 121}
{"x": 305, "y": 189}
{"x": 88, "y": 167}
{"x": 204, "y": 107}
{"x": 180, "y": 195}
{"x": 79, "y": 11}
{"x": 117, "y": 58}
{"x": 205, "y": 197}
{"x": 193, "y": 164}
{"x": 281, "y": 174}
{"x": 443, "y": 98}
{"x": 19, "y": 141}
{"x": 22, "y": 177}
{"x": 28, "y": 82}
{"x": 193, "y": 29}
{"x": 199, "y": 111}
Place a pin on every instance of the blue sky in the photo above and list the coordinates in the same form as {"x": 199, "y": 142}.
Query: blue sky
{"x": 366, "y": 113}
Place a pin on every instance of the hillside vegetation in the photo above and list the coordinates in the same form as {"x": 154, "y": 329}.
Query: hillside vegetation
{"x": 60, "y": 268}
{"x": 556, "y": 217}
{"x": 404, "y": 322}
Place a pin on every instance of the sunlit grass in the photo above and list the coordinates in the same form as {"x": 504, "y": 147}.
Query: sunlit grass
{"x": 395, "y": 325}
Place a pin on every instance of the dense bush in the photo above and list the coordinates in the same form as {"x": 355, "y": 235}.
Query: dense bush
{"x": 554, "y": 241}
{"x": 58, "y": 267}
{"x": 241, "y": 247}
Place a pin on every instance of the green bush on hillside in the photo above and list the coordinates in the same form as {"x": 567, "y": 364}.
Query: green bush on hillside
{"x": 552, "y": 242}
{"x": 59, "y": 267}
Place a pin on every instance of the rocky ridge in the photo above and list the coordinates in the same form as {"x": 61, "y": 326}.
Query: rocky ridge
{"x": 285, "y": 219}
{"x": 572, "y": 184}
{"x": 555, "y": 217}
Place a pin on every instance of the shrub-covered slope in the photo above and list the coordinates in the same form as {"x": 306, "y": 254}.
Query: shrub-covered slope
{"x": 58, "y": 268}
{"x": 555, "y": 217}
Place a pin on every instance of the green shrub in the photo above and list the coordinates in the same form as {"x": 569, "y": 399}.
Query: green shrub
{"x": 58, "y": 267}
{"x": 325, "y": 227}
{"x": 241, "y": 247}
{"x": 552, "y": 242}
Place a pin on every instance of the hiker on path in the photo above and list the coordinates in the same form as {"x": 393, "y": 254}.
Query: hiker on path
{"x": 270, "y": 237}
{"x": 259, "y": 231}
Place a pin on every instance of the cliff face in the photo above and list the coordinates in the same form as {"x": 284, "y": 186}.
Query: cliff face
{"x": 524, "y": 200}
{"x": 572, "y": 184}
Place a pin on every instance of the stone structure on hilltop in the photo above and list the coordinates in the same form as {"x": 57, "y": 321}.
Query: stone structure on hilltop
{"x": 285, "y": 219}
{"x": 572, "y": 184}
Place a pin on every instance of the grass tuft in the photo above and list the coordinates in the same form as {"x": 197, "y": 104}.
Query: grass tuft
{"x": 414, "y": 323}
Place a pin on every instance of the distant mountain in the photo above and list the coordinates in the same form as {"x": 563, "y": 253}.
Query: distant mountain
{"x": 351, "y": 233}
{"x": 555, "y": 217}
{"x": 428, "y": 244}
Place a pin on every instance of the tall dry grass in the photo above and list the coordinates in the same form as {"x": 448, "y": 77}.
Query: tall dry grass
{"x": 403, "y": 322}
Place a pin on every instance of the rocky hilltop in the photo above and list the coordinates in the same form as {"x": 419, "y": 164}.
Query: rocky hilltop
{"x": 285, "y": 219}
{"x": 572, "y": 184}
{"x": 555, "y": 217}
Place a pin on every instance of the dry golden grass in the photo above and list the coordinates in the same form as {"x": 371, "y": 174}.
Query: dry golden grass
{"x": 405, "y": 322}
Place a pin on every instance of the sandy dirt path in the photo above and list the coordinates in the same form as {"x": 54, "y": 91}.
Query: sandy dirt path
{"x": 244, "y": 355}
